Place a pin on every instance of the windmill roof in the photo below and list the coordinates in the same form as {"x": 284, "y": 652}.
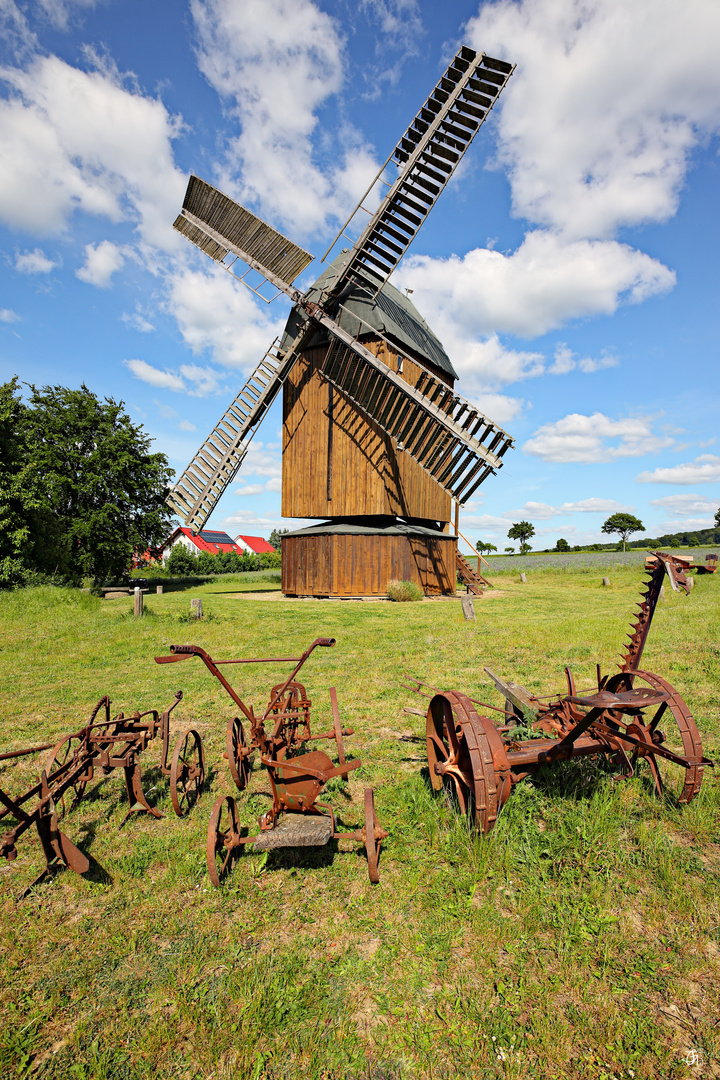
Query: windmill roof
{"x": 390, "y": 312}
{"x": 352, "y": 528}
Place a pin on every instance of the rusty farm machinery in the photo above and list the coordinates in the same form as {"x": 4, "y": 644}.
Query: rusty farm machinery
{"x": 93, "y": 752}
{"x": 632, "y": 716}
{"x": 280, "y": 735}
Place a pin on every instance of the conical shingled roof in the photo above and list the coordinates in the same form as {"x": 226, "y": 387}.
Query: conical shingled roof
{"x": 390, "y": 312}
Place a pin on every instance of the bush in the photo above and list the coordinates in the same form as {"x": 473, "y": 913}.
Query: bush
{"x": 182, "y": 561}
{"x": 404, "y": 591}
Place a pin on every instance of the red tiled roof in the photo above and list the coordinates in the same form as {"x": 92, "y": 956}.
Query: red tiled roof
{"x": 258, "y": 545}
{"x": 213, "y": 542}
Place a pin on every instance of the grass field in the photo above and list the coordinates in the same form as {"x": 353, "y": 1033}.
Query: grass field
{"x": 580, "y": 939}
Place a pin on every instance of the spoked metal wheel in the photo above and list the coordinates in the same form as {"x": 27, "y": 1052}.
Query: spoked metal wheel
{"x": 466, "y": 748}
{"x": 223, "y": 839}
{"x": 374, "y": 834}
{"x": 238, "y": 754}
{"x": 446, "y": 750}
{"x": 60, "y": 763}
{"x": 187, "y": 772}
{"x": 669, "y": 725}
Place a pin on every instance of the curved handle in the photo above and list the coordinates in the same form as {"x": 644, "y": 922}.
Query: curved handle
{"x": 326, "y": 641}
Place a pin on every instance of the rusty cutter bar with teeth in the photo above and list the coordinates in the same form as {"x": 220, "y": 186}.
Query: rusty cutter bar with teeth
{"x": 632, "y": 715}
{"x": 96, "y": 750}
{"x": 297, "y": 776}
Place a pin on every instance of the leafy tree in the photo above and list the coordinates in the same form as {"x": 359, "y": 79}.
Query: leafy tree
{"x": 522, "y": 531}
{"x": 717, "y": 517}
{"x": 20, "y": 490}
{"x": 562, "y": 545}
{"x": 482, "y": 547}
{"x": 276, "y": 537}
{"x": 510, "y": 551}
{"x": 102, "y": 492}
{"x": 674, "y": 543}
{"x": 624, "y": 525}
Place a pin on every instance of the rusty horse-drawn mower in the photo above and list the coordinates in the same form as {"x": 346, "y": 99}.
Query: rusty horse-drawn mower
{"x": 297, "y": 775}
{"x": 95, "y": 751}
{"x": 632, "y": 716}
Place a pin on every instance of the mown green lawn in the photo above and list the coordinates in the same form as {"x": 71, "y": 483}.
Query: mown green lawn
{"x": 580, "y": 939}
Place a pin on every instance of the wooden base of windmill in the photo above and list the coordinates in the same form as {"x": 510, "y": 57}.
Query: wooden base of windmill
{"x": 336, "y": 560}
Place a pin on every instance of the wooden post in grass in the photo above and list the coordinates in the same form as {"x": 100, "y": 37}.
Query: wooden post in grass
{"x": 138, "y": 604}
{"x": 467, "y": 605}
{"x": 159, "y": 589}
{"x": 523, "y": 578}
{"x": 690, "y": 581}
{"x": 606, "y": 582}
{"x": 196, "y": 608}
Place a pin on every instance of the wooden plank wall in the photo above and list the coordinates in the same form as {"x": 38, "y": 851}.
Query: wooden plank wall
{"x": 347, "y": 565}
{"x": 359, "y": 472}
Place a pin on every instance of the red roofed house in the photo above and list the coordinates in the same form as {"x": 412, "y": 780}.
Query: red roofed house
{"x": 205, "y": 540}
{"x": 255, "y": 545}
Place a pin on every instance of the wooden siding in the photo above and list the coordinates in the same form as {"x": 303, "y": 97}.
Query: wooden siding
{"x": 350, "y": 468}
{"x": 347, "y": 565}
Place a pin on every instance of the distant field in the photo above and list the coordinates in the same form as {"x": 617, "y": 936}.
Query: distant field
{"x": 581, "y": 939}
{"x": 581, "y": 560}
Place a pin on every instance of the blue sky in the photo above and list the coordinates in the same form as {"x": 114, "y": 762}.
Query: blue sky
{"x": 570, "y": 268}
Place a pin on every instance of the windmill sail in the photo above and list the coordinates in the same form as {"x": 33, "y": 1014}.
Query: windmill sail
{"x": 216, "y": 463}
{"x": 447, "y": 435}
{"x": 218, "y": 225}
{"x": 427, "y": 156}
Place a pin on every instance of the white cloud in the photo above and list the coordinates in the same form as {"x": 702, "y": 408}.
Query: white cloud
{"x": 565, "y": 362}
{"x": 34, "y": 262}
{"x": 275, "y": 63}
{"x": 703, "y": 470}
{"x": 137, "y": 321}
{"x": 606, "y": 103}
{"x": 501, "y": 408}
{"x": 82, "y": 140}
{"x": 536, "y": 510}
{"x": 190, "y": 379}
{"x": 537, "y": 288}
{"x": 203, "y": 380}
{"x": 185, "y": 425}
{"x": 7, "y": 315}
{"x": 539, "y": 511}
{"x": 595, "y": 506}
{"x": 165, "y": 380}
{"x": 59, "y": 12}
{"x": 215, "y": 313}
{"x": 250, "y": 489}
{"x": 596, "y": 438}
{"x": 15, "y": 29}
{"x": 399, "y": 21}
{"x": 683, "y": 506}
{"x": 263, "y": 459}
{"x": 275, "y": 484}
{"x": 101, "y": 262}
{"x": 685, "y": 525}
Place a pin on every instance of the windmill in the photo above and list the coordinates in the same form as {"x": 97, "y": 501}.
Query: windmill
{"x": 375, "y": 439}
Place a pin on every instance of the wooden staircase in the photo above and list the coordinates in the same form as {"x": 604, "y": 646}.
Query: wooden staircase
{"x": 472, "y": 578}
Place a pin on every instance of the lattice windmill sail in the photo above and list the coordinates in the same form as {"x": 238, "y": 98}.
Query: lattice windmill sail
{"x": 379, "y": 382}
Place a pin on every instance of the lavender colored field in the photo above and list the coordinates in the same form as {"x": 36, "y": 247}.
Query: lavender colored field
{"x": 579, "y": 560}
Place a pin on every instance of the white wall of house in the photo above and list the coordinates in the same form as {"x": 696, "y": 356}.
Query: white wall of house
{"x": 181, "y": 538}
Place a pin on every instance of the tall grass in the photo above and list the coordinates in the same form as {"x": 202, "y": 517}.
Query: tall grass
{"x": 578, "y": 940}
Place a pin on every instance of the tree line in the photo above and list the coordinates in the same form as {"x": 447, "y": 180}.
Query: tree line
{"x": 80, "y": 491}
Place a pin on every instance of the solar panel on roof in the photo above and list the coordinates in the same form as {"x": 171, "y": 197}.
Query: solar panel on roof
{"x": 216, "y": 537}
